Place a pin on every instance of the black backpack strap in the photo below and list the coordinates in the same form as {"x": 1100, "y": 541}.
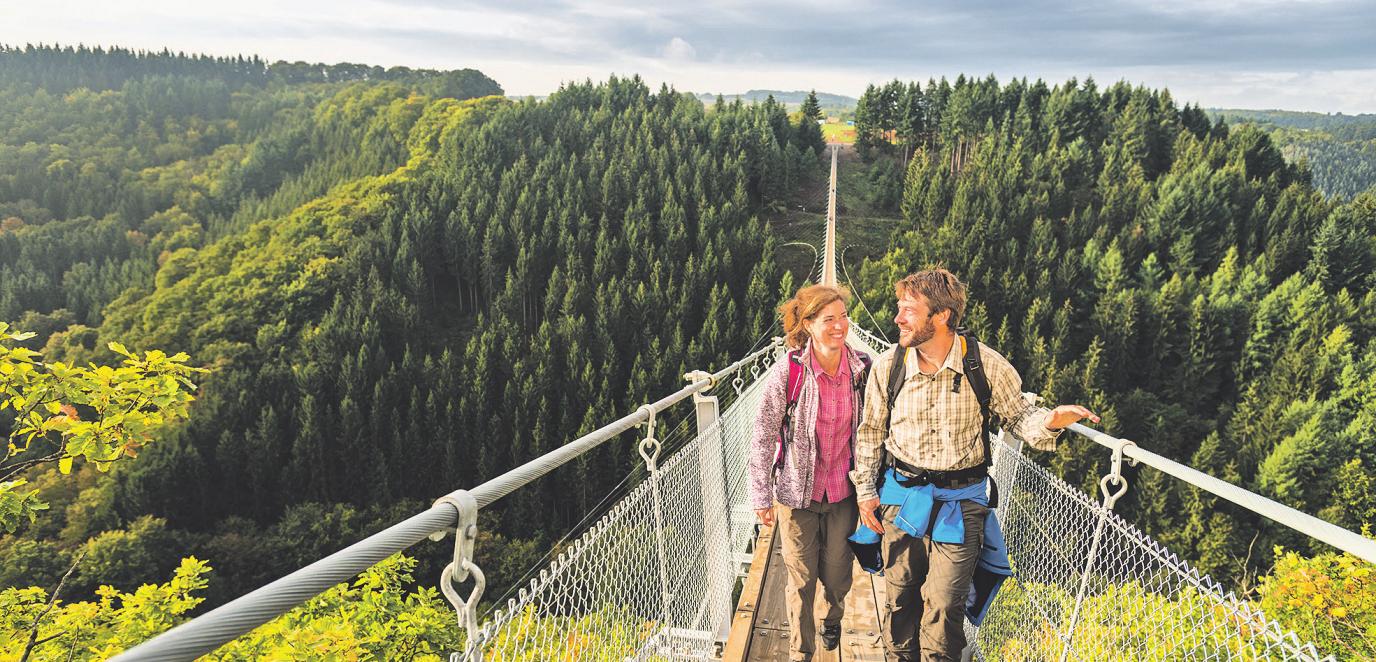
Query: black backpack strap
{"x": 859, "y": 381}
{"x": 898, "y": 372}
{"x": 979, "y": 383}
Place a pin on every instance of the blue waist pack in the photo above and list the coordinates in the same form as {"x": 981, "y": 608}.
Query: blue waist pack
{"x": 946, "y": 525}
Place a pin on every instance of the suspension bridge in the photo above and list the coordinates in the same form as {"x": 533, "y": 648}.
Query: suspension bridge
{"x": 677, "y": 570}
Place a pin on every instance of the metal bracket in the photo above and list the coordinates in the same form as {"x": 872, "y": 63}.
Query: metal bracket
{"x": 459, "y": 570}
{"x": 466, "y": 533}
{"x": 649, "y": 446}
{"x": 697, "y": 376}
{"x": 1113, "y": 485}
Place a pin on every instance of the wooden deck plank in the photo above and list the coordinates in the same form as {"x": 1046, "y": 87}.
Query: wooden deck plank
{"x": 759, "y": 629}
{"x": 740, "y": 638}
{"x": 773, "y": 611}
{"x": 861, "y": 636}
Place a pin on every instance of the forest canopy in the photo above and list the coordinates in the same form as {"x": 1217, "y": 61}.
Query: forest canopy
{"x": 401, "y": 282}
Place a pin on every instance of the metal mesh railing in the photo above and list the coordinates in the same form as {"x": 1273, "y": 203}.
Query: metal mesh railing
{"x": 648, "y": 585}
{"x": 602, "y": 598}
{"x": 1124, "y": 598}
{"x": 868, "y": 341}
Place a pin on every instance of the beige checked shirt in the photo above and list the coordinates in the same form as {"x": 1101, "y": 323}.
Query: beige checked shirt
{"x": 936, "y": 428}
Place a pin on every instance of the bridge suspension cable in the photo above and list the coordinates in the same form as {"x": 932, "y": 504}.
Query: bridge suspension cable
{"x": 223, "y": 624}
{"x": 856, "y": 291}
{"x": 648, "y": 581}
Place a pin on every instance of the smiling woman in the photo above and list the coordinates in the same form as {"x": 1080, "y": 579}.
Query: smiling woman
{"x": 807, "y": 420}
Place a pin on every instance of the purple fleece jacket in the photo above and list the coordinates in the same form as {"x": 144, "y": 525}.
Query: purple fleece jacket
{"x": 791, "y": 485}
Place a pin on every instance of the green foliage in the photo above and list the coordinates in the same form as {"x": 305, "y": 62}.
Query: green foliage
{"x": 18, "y": 505}
{"x": 126, "y": 557}
{"x": 1185, "y": 625}
{"x": 1329, "y": 599}
{"x": 399, "y": 293}
{"x": 99, "y": 414}
{"x": 370, "y": 618}
{"x": 1338, "y": 150}
{"x": 809, "y": 131}
{"x": 32, "y": 563}
{"x": 454, "y": 275}
{"x": 100, "y": 629}
{"x": 1354, "y": 500}
{"x": 612, "y": 632}
{"x": 373, "y": 617}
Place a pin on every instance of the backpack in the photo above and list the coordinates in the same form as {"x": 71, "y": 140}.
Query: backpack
{"x": 794, "y": 389}
{"x": 974, "y": 374}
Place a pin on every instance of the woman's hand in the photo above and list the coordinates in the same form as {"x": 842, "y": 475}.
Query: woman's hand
{"x": 766, "y": 516}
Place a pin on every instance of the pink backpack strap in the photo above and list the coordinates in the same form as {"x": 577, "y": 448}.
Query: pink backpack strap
{"x": 793, "y": 389}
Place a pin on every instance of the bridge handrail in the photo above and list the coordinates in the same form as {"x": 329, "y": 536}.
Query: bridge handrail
{"x": 231, "y": 620}
{"x": 1331, "y": 534}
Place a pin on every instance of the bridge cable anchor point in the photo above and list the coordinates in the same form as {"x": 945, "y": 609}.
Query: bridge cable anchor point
{"x": 463, "y": 566}
{"x": 649, "y": 446}
{"x": 1113, "y": 485}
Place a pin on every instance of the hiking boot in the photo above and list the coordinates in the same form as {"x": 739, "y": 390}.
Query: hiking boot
{"x": 831, "y": 636}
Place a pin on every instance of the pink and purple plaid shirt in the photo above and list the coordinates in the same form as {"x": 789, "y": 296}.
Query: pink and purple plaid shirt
{"x": 831, "y": 480}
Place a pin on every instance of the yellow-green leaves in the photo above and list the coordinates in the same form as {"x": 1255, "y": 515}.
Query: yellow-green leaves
{"x": 17, "y": 505}
{"x": 99, "y": 414}
{"x": 99, "y": 630}
{"x": 1331, "y": 598}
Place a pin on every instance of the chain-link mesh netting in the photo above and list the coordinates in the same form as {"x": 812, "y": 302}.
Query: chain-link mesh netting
{"x": 1090, "y": 586}
{"x": 655, "y": 583}
{"x": 653, "y": 579}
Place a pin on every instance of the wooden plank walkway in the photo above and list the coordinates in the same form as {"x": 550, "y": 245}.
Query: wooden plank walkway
{"x": 759, "y": 631}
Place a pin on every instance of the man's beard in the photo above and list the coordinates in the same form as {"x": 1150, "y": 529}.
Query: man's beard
{"x": 920, "y": 335}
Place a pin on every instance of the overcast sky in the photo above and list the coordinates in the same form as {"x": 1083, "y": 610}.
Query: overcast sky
{"x": 1301, "y": 55}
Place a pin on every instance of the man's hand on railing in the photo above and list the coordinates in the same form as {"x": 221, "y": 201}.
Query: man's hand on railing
{"x": 868, "y": 514}
{"x": 766, "y": 516}
{"x": 1064, "y": 415}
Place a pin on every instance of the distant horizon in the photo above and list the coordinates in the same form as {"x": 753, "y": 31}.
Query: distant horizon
{"x": 1309, "y": 56}
{"x": 698, "y": 93}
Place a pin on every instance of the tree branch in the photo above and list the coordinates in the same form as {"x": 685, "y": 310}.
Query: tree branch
{"x": 52, "y": 602}
{"x": 20, "y": 467}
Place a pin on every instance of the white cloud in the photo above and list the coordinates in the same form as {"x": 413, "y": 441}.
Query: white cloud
{"x": 1351, "y": 91}
{"x": 679, "y": 50}
{"x": 1311, "y": 56}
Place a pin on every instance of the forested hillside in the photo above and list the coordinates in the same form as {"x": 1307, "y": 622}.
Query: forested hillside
{"x": 1175, "y": 274}
{"x": 399, "y": 291}
{"x": 402, "y": 283}
{"x": 1339, "y": 149}
{"x": 1184, "y": 280}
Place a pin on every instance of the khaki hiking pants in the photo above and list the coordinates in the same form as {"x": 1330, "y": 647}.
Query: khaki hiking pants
{"x": 814, "y": 547}
{"x": 928, "y": 583}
